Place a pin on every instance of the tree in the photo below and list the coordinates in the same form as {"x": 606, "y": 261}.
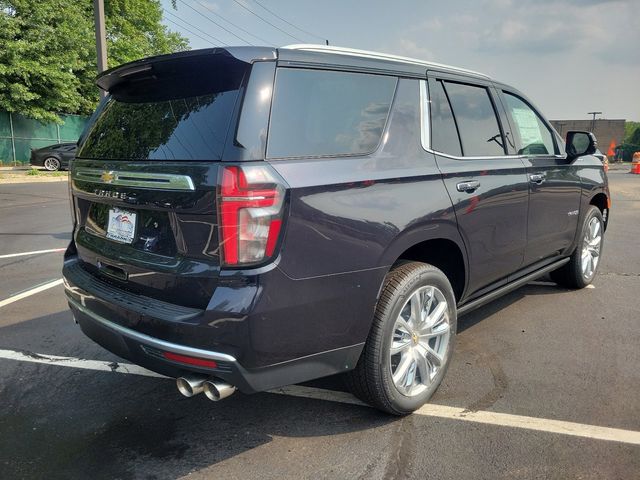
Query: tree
{"x": 48, "y": 55}
{"x": 632, "y": 132}
{"x": 634, "y": 138}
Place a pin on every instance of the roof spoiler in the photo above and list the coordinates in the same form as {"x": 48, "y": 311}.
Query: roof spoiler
{"x": 151, "y": 66}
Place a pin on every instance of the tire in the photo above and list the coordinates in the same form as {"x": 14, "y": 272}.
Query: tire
{"x": 406, "y": 287}
{"x": 51, "y": 164}
{"x": 577, "y": 273}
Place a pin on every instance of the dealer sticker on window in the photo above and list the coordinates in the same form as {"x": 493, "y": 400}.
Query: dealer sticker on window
{"x": 122, "y": 225}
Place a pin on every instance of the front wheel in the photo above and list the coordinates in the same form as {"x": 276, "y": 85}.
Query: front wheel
{"x": 583, "y": 264}
{"x": 411, "y": 340}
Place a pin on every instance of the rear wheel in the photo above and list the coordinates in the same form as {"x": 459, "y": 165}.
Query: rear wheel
{"x": 411, "y": 340}
{"x": 52, "y": 164}
{"x": 583, "y": 264}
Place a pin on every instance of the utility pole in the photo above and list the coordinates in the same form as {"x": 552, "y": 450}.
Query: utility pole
{"x": 101, "y": 40}
{"x": 593, "y": 119}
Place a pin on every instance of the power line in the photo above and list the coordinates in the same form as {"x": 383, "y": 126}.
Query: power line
{"x": 267, "y": 21}
{"x": 287, "y": 22}
{"x": 190, "y": 31}
{"x": 224, "y": 19}
{"x": 192, "y": 26}
{"x": 213, "y": 21}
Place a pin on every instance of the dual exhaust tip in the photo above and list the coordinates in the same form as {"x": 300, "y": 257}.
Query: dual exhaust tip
{"x": 213, "y": 388}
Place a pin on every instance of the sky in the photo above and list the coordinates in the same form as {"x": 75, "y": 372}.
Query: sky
{"x": 569, "y": 56}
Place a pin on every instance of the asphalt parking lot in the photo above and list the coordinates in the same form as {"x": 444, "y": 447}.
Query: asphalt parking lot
{"x": 545, "y": 383}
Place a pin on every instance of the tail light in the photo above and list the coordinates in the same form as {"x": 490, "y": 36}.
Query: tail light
{"x": 250, "y": 205}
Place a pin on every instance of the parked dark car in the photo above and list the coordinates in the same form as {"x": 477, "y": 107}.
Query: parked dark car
{"x": 247, "y": 218}
{"x": 53, "y": 157}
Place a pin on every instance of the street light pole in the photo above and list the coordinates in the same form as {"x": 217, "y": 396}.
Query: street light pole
{"x": 101, "y": 40}
{"x": 593, "y": 119}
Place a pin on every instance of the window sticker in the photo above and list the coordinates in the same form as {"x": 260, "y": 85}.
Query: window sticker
{"x": 528, "y": 126}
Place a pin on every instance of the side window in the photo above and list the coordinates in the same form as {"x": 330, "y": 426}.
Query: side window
{"x": 444, "y": 133}
{"x": 476, "y": 119}
{"x": 322, "y": 112}
{"x": 534, "y": 137}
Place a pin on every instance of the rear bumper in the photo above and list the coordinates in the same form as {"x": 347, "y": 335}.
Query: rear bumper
{"x": 147, "y": 351}
{"x": 141, "y": 329}
{"x": 36, "y": 160}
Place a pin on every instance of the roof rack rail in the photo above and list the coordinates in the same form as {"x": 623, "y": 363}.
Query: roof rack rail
{"x": 376, "y": 55}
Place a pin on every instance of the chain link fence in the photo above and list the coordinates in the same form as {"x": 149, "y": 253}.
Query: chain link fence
{"x": 19, "y": 134}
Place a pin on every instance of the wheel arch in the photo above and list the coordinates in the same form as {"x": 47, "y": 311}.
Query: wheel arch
{"x": 601, "y": 200}
{"x": 439, "y": 245}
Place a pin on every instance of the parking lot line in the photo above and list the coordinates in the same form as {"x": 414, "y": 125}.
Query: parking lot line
{"x": 77, "y": 363}
{"x": 31, "y": 291}
{"x": 429, "y": 410}
{"x": 35, "y": 252}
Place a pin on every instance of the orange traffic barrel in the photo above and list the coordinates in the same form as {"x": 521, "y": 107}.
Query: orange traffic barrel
{"x": 635, "y": 163}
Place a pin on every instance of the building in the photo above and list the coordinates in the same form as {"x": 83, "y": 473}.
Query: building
{"x": 608, "y": 132}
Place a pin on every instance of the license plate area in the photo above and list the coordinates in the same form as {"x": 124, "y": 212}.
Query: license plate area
{"x": 121, "y": 225}
{"x": 153, "y": 231}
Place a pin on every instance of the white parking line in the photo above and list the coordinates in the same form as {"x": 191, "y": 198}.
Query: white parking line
{"x": 428, "y": 410}
{"x": 36, "y": 252}
{"x": 32, "y": 291}
{"x": 78, "y": 363}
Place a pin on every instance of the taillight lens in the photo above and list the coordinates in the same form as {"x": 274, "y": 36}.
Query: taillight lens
{"x": 250, "y": 205}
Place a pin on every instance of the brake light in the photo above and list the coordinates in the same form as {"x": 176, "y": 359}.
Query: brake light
{"x": 250, "y": 205}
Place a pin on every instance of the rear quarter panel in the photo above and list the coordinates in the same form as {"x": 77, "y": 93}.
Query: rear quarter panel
{"x": 355, "y": 214}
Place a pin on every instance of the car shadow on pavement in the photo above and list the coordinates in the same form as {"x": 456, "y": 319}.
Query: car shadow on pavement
{"x": 541, "y": 287}
{"x": 61, "y": 422}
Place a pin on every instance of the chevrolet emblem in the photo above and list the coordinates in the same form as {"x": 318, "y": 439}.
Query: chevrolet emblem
{"x": 107, "y": 177}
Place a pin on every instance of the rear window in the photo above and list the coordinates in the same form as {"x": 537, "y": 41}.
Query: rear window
{"x": 183, "y": 114}
{"x": 320, "y": 113}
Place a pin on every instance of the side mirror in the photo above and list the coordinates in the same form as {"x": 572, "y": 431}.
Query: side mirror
{"x": 580, "y": 143}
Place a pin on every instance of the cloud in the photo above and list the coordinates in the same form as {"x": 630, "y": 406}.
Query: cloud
{"x": 599, "y": 27}
{"x": 411, "y": 48}
{"x": 210, "y": 5}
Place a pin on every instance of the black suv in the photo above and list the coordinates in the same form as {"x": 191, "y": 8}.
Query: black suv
{"x": 247, "y": 218}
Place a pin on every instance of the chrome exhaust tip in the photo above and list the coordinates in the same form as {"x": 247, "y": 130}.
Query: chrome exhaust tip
{"x": 217, "y": 390}
{"x": 190, "y": 386}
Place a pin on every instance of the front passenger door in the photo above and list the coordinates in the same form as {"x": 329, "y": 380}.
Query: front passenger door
{"x": 487, "y": 185}
{"x": 554, "y": 186}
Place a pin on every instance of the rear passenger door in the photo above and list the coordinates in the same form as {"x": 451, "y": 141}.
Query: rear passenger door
{"x": 554, "y": 185}
{"x": 486, "y": 181}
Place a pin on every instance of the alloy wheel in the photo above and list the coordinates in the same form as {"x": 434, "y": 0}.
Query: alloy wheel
{"x": 51, "y": 164}
{"x": 420, "y": 341}
{"x": 591, "y": 248}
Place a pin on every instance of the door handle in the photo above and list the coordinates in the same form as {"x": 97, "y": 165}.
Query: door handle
{"x": 468, "y": 186}
{"x": 537, "y": 178}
